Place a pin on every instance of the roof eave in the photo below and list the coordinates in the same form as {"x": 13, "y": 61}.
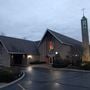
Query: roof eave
{"x": 4, "y": 46}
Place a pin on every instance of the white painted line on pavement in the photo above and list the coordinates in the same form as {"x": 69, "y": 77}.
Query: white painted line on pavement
{"x": 21, "y": 86}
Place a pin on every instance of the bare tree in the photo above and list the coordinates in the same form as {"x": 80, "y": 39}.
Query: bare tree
{"x": 24, "y": 38}
{"x": 2, "y": 33}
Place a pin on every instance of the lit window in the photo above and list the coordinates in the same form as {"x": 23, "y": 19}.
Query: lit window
{"x": 51, "y": 45}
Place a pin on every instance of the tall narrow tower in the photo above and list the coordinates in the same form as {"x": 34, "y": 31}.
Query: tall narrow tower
{"x": 85, "y": 39}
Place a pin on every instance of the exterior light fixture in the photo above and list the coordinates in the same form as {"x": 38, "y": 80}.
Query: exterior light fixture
{"x": 56, "y": 52}
{"x": 29, "y": 56}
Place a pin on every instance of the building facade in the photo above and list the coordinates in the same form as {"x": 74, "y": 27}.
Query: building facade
{"x": 17, "y": 52}
{"x": 52, "y": 47}
{"x": 55, "y": 46}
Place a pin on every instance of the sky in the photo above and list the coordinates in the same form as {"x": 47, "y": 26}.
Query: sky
{"x": 30, "y": 19}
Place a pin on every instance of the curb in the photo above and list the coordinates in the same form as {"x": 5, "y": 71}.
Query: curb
{"x": 74, "y": 70}
{"x": 64, "y": 69}
{"x": 2, "y": 86}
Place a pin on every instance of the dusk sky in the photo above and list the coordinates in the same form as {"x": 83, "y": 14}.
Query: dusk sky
{"x": 31, "y": 18}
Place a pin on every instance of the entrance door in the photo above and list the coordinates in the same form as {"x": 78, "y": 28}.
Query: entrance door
{"x": 51, "y": 60}
{"x": 17, "y": 59}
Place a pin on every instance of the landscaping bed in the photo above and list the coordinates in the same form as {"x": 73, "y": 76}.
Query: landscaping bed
{"x": 60, "y": 64}
{"x": 38, "y": 62}
{"x": 79, "y": 66}
{"x": 8, "y": 74}
{"x": 82, "y": 66}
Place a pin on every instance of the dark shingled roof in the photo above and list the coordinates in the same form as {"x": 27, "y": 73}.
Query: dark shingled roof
{"x": 65, "y": 39}
{"x": 37, "y": 43}
{"x": 14, "y": 45}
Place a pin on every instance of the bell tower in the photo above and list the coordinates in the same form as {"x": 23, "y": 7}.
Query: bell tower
{"x": 85, "y": 39}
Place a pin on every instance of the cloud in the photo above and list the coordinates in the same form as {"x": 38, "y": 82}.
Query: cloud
{"x": 24, "y": 18}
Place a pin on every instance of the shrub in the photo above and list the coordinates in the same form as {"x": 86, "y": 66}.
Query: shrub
{"x": 85, "y": 65}
{"x": 38, "y": 62}
{"x": 60, "y": 63}
{"x": 9, "y": 74}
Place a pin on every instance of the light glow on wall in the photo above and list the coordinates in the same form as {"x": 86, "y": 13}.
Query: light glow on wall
{"x": 12, "y": 56}
{"x": 29, "y": 56}
{"x": 76, "y": 55}
{"x": 23, "y": 56}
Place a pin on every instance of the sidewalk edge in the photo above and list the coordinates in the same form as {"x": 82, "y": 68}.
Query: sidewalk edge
{"x": 2, "y": 86}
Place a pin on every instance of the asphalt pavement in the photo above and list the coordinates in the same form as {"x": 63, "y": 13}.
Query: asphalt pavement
{"x": 42, "y": 78}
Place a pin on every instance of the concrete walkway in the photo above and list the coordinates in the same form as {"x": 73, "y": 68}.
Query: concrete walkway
{"x": 56, "y": 69}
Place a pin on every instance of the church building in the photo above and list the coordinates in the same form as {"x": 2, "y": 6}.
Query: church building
{"x": 55, "y": 45}
{"x": 52, "y": 48}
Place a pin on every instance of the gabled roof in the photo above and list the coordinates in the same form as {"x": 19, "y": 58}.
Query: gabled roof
{"x": 63, "y": 39}
{"x": 19, "y": 46}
